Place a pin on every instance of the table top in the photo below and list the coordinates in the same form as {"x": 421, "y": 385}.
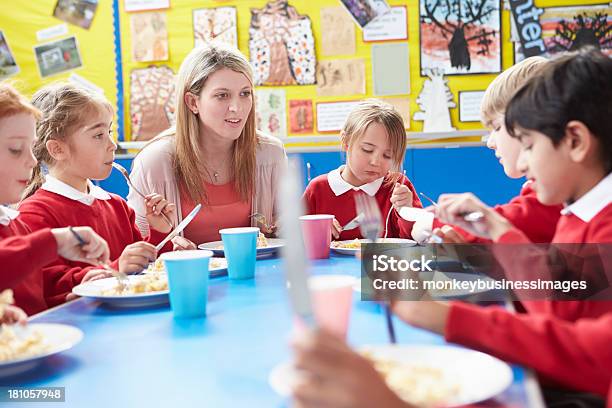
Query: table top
{"x": 144, "y": 357}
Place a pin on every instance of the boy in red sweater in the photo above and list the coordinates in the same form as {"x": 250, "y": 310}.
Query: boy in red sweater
{"x": 20, "y": 249}
{"x": 374, "y": 139}
{"x": 75, "y": 143}
{"x": 562, "y": 121}
{"x": 538, "y": 221}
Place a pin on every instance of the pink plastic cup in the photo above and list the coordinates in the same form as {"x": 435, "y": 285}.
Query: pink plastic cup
{"x": 332, "y": 298}
{"x": 317, "y": 234}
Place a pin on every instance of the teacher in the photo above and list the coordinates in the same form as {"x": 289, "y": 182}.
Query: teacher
{"x": 214, "y": 155}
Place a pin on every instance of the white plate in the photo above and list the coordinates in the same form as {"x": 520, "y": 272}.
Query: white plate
{"x": 450, "y": 293}
{"x": 351, "y": 251}
{"x": 58, "y": 338}
{"x": 94, "y": 290}
{"x": 273, "y": 245}
{"x": 476, "y": 376}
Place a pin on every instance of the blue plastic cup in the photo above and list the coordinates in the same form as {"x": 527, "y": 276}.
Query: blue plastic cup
{"x": 187, "y": 282}
{"x": 240, "y": 248}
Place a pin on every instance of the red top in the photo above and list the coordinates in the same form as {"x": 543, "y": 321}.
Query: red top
{"x": 320, "y": 199}
{"x": 536, "y": 220}
{"x": 23, "y": 255}
{"x": 565, "y": 341}
{"x": 112, "y": 219}
{"x": 225, "y": 209}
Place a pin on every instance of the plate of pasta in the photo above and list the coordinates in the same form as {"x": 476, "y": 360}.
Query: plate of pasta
{"x": 265, "y": 246}
{"x": 350, "y": 247}
{"x": 424, "y": 375}
{"x": 149, "y": 289}
{"x": 23, "y": 347}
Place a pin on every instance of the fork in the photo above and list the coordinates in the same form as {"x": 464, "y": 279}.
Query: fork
{"x": 370, "y": 227}
{"x": 126, "y": 176}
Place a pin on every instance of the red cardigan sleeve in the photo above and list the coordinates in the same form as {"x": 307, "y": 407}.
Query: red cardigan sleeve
{"x": 574, "y": 354}
{"x": 26, "y": 254}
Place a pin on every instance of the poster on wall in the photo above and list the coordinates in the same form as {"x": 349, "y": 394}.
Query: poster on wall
{"x": 366, "y": 11}
{"x": 215, "y": 24}
{"x": 271, "y": 112}
{"x": 337, "y": 32}
{"x": 341, "y": 77}
{"x": 152, "y": 94}
{"x": 469, "y": 105}
{"x": 149, "y": 37}
{"x": 77, "y": 12}
{"x": 570, "y": 28}
{"x": 143, "y": 5}
{"x": 301, "y": 120}
{"x": 460, "y": 37}
{"x": 332, "y": 115}
{"x": 58, "y": 56}
{"x": 8, "y": 66}
{"x": 391, "y": 69}
{"x": 389, "y": 27}
{"x": 281, "y": 45}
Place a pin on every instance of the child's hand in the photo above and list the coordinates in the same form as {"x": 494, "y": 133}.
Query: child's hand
{"x": 156, "y": 206}
{"x": 96, "y": 274}
{"x": 453, "y": 207}
{"x": 336, "y": 376}
{"x": 336, "y": 229}
{"x": 182, "y": 244}
{"x": 136, "y": 257}
{"x": 94, "y": 252}
{"x": 12, "y": 314}
{"x": 449, "y": 235}
{"x": 401, "y": 196}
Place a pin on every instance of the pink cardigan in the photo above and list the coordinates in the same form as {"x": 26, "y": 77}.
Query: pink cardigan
{"x": 153, "y": 172}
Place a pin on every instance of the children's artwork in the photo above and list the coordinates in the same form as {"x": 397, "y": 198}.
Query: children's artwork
{"x": 570, "y": 28}
{"x": 337, "y": 32}
{"x": 365, "y": 11}
{"x": 389, "y": 27}
{"x": 469, "y": 105}
{"x": 58, "y": 56}
{"x": 341, "y": 77}
{"x": 301, "y": 118}
{"x": 77, "y": 12}
{"x": 8, "y": 66}
{"x": 142, "y": 5}
{"x": 434, "y": 101}
{"x": 149, "y": 36}
{"x": 402, "y": 106}
{"x": 271, "y": 112}
{"x": 390, "y": 69}
{"x": 332, "y": 115}
{"x": 215, "y": 24}
{"x": 460, "y": 36}
{"x": 152, "y": 101}
{"x": 281, "y": 45}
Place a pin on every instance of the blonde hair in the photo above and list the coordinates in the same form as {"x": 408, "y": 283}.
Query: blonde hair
{"x": 64, "y": 107}
{"x": 14, "y": 103}
{"x": 505, "y": 85}
{"x": 376, "y": 111}
{"x": 197, "y": 67}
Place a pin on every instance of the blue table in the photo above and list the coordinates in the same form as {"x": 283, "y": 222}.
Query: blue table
{"x": 145, "y": 358}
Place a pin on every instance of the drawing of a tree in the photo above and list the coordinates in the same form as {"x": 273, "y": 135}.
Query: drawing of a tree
{"x": 583, "y": 30}
{"x": 461, "y": 23}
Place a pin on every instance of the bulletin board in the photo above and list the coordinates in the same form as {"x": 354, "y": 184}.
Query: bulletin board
{"x": 115, "y": 73}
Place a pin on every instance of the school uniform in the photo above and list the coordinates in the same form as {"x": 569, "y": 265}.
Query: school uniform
{"x": 331, "y": 194}
{"x": 56, "y": 204}
{"x": 23, "y": 254}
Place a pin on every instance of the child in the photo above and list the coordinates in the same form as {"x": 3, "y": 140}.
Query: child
{"x": 23, "y": 254}
{"x": 75, "y": 143}
{"x": 375, "y": 143}
{"x": 525, "y": 212}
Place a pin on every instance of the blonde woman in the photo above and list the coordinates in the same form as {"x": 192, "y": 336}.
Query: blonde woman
{"x": 214, "y": 155}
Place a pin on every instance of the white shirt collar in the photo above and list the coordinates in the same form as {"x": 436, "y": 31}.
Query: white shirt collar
{"x": 59, "y": 187}
{"x": 7, "y": 214}
{"x": 595, "y": 200}
{"x": 340, "y": 186}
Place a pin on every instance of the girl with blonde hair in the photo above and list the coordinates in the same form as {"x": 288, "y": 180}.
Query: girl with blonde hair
{"x": 213, "y": 155}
